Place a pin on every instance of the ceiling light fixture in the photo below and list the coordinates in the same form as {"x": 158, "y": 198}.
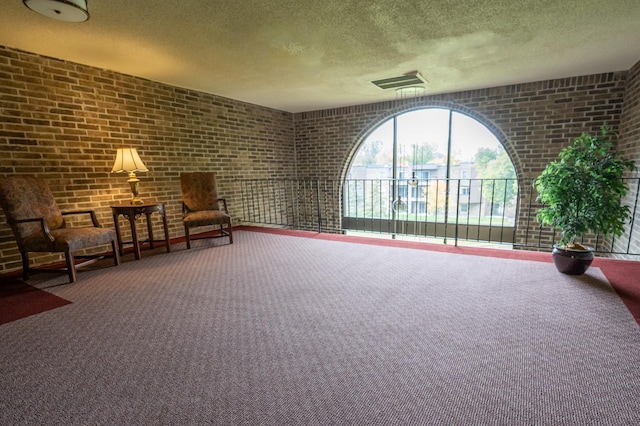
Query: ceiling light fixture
{"x": 409, "y": 92}
{"x": 62, "y": 10}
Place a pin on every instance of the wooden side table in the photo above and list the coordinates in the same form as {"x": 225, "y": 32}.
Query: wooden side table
{"x": 132, "y": 212}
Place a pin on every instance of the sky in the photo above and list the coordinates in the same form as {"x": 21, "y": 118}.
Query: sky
{"x": 430, "y": 126}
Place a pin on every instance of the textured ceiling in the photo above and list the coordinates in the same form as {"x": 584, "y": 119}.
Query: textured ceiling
{"x": 302, "y": 55}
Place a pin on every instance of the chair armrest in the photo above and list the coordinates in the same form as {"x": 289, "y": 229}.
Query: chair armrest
{"x": 94, "y": 219}
{"x": 43, "y": 225}
{"x": 224, "y": 204}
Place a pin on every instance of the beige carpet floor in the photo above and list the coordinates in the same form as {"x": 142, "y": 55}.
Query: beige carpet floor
{"x": 282, "y": 330}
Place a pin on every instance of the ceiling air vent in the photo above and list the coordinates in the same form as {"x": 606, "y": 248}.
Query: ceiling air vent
{"x": 409, "y": 79}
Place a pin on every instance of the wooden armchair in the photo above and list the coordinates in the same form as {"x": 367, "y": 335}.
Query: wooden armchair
{"x": 201, "y": 205}
{"x": 39, "y": 226}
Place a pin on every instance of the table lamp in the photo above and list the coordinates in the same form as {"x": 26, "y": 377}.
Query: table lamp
{"x": 128, "y": 160}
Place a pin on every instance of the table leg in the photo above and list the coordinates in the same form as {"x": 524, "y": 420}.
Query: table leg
{"x": 116, "y": 223}
{"x": 149, "y": 230}
{"x": 134, "y": 236}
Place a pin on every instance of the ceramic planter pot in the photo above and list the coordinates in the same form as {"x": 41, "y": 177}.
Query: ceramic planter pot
{"x": 572, "y": 262}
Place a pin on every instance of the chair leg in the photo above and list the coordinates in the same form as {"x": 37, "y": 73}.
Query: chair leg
{"x": 186, "y": 236}
{"x": 230, "y": 229}
{"x": 71, "y": 267}
{"x": 25, "y": 265}
{"x": 116, "y": 254}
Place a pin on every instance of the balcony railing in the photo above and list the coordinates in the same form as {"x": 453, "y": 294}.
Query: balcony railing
{"x": 496, "y": 211}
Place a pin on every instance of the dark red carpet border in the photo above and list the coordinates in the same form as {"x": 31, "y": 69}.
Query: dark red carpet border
{"x": 19, "y": 300}
{"x": 624, "y": 275}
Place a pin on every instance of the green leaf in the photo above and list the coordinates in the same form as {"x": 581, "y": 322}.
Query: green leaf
{"x": 583, "y": 190}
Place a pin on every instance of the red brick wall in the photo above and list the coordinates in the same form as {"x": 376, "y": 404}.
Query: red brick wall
{"x": 64, "y": 121}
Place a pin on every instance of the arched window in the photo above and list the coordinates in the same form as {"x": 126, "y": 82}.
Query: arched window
{"x": 429, "y": 166}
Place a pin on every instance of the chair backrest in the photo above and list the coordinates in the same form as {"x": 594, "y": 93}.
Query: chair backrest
{"x": 199, "y": 191}
{"x": 27, "y": 197}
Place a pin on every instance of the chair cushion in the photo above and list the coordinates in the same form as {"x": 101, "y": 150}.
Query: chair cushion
{"x": 206, "y": 217}
{"x": 71, "y": 239}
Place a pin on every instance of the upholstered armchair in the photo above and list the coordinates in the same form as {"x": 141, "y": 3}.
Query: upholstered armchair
{"x": 39, "y": 226}
{"x": 202, "y": 207}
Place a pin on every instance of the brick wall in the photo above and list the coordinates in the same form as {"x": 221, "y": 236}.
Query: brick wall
{"x": 630, "y": 140}
{"x": 64, "y": 121}
{"x": 533, "y": 121}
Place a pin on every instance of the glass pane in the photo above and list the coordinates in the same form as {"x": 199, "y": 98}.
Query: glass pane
{"x": 468, "y": 136}
{"x": 367, "y": 190}
{"x": 422, "y": 140}
{"x": 422, "y": 159}
{"x": 373, "y": 159}
{"x": 483, "y": 179}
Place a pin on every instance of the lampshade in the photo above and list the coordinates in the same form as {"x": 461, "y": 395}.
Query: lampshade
{"x": 128, "y": 160}
{"x": 63, "y": 10}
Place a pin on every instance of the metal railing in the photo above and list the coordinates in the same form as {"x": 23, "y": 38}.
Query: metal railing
{"x": 311, "y": 205}
{"x": 495, "y": 211}
{"x": 531, "y": 235}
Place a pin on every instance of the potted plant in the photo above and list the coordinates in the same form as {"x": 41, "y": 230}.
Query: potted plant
{"x": 582, "y": 191}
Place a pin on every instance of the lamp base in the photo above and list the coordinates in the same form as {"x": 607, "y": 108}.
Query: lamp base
{"x": 133, "y": 183}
